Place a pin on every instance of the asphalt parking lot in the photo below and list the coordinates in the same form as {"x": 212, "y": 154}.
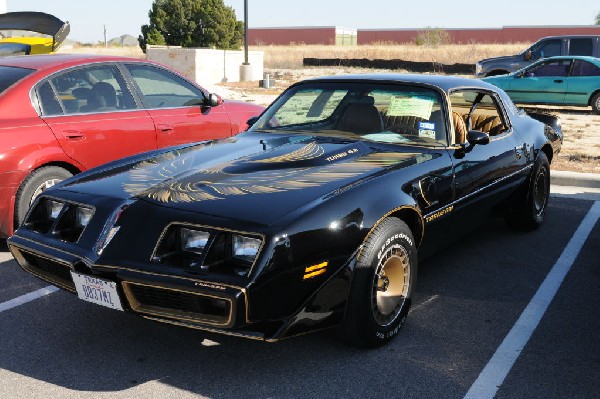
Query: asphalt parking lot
{"x": 463, "y": 334}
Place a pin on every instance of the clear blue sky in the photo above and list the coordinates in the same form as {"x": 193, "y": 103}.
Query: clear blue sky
{"x": 126, "y": 16}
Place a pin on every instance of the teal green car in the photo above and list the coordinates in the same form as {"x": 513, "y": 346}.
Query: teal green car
{"x": 566, "y": 80}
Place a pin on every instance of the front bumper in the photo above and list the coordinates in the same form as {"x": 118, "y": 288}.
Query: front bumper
{"x": 165, "y": 298}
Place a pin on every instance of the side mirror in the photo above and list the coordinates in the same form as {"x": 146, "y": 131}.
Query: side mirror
{"x": 252, "y": 121}
{"x": 214, "y": 100}
{"x": 475, "y": 137}
{"x": 528, "y": 55}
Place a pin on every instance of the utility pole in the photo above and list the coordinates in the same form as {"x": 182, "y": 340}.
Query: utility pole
{"x": 105, "y": 42}
{"x": 245, "y": 68}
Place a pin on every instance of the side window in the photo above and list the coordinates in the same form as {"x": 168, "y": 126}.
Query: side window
{"x": 89, "y": 90}
{"x": 555, "y": 68}
{"x": 584, "y": 68}
{"x": 48, "y": 100}
{"x": 545, "y": 49}
{"x": 163, "y": 89}
{"x": 581, "y": 46}
{"x": 472, "y": 110}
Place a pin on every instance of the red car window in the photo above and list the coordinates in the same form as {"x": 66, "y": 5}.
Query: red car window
{"x": 163, "y": 89}
{"x": 94, "y": 89}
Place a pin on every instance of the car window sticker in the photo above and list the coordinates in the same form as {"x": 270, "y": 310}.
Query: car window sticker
{"x": 414, "y": 106}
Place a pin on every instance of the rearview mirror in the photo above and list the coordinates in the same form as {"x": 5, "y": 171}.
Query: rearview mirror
{"x": 214, "y": 100}
{"x": 252, "y": 121}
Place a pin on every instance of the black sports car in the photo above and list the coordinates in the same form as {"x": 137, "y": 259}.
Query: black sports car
{"x": 312, "y": 218}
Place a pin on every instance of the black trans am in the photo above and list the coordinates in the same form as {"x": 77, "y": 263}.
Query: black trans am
{"x": 312, "y": 218}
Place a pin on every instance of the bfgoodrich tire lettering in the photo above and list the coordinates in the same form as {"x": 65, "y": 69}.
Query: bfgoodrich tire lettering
{"x": 38, "y": 181}
{"x": 382, "y": 285}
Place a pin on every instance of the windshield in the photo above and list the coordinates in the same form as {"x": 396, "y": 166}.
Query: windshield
{"x": 390, "y": 113}
{"x": 11, "y": 75}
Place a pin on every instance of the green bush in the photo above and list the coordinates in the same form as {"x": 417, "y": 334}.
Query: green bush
{"x": 433, "y": 37}
{"x": 192, "y": 23}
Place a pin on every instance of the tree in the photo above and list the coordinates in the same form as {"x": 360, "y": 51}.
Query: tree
{"x": 192, "y": 23}
{"x": 598, "y": 19}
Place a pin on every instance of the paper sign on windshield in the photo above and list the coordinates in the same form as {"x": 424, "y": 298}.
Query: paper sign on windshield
{"x": 402, "y": 106}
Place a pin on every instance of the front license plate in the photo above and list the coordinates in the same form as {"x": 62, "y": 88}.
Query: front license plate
{"x": 97, "y": 290}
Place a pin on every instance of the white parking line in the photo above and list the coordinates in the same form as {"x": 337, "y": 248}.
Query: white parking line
{"x": 494, "y": 373}
{"x": 23, "y": 299}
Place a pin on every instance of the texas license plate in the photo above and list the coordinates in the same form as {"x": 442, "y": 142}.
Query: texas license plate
{"x": 97, "y": 290}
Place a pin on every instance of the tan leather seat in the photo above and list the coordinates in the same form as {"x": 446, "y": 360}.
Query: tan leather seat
{"x": 460, "y": 128}
{"x": 406, "y": 120}
{"x": 490, "y": 124}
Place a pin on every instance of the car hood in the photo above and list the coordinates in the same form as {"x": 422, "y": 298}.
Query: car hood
{"x": 501, "y": 81}
{"x": 504, "y": 58}
{"x": 252, "y": 177}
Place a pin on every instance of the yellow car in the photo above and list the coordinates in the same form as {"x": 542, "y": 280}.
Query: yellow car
{"x": 37, "y": 22}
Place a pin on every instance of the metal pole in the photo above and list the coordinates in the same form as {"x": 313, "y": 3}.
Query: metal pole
{"x": 246, "y": 32}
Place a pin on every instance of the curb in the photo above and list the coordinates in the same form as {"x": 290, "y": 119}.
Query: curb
{"x": 575, "y": 179}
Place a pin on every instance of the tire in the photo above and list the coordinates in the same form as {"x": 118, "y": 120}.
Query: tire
{"x": 536, "y": 201}
{"x": 595, "y": 103}
{"x": 387, "y": 265}
{"x": 33, "y": 185}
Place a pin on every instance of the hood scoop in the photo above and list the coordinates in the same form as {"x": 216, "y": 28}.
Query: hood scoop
{"x": 308, "y": 155}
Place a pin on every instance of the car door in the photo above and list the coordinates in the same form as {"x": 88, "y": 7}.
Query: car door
{"x": 179, "y": 108}
{"x": 94, "y": 115}
{"x": 543, "y": 83}
{"x": 583, "y": 81}
{"x": 484, "y": 174}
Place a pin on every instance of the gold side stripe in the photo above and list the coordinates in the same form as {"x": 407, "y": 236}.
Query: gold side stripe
{"x": 310, "y": 275}
{"x": 315, "y": 267}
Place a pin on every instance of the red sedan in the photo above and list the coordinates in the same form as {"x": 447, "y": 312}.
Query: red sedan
{"x": 63, "y": 114}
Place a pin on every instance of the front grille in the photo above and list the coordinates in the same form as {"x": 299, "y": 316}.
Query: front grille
{"x": 181, "y": 305}
{"x": 47, "y": 269}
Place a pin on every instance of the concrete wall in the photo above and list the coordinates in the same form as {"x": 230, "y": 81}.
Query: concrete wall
{"x": 207, "y": 66}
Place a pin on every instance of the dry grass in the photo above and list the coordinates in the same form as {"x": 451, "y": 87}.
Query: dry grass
{"x": 581, "y": 147}
{"x": 292, "y": 56}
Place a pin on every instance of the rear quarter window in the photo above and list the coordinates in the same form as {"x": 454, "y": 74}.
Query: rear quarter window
{"x": 11, "y": 75}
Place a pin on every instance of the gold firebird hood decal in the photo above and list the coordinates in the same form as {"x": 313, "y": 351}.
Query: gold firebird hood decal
{"x": 172, "y": 177}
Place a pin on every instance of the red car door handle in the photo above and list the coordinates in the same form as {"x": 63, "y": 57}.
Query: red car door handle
{"x": 72, "y": 134}
{"x": 558, "y": 81}
{"x": 165, "y": 128}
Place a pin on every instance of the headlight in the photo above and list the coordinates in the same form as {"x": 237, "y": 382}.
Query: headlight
{"x": 43, "y": 215}
{"x": 193, "y": 240}
{"x": 205, "y": 249}
{"x": 245, "y": 248}
{"x": 53, "y": 208}
{"x": 83, "y": 216}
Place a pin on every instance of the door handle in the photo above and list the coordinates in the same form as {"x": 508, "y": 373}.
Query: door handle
{"x": 558, "y": 81}
{"x": 72, "y": 134}
{"x": 166, "y": 128}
